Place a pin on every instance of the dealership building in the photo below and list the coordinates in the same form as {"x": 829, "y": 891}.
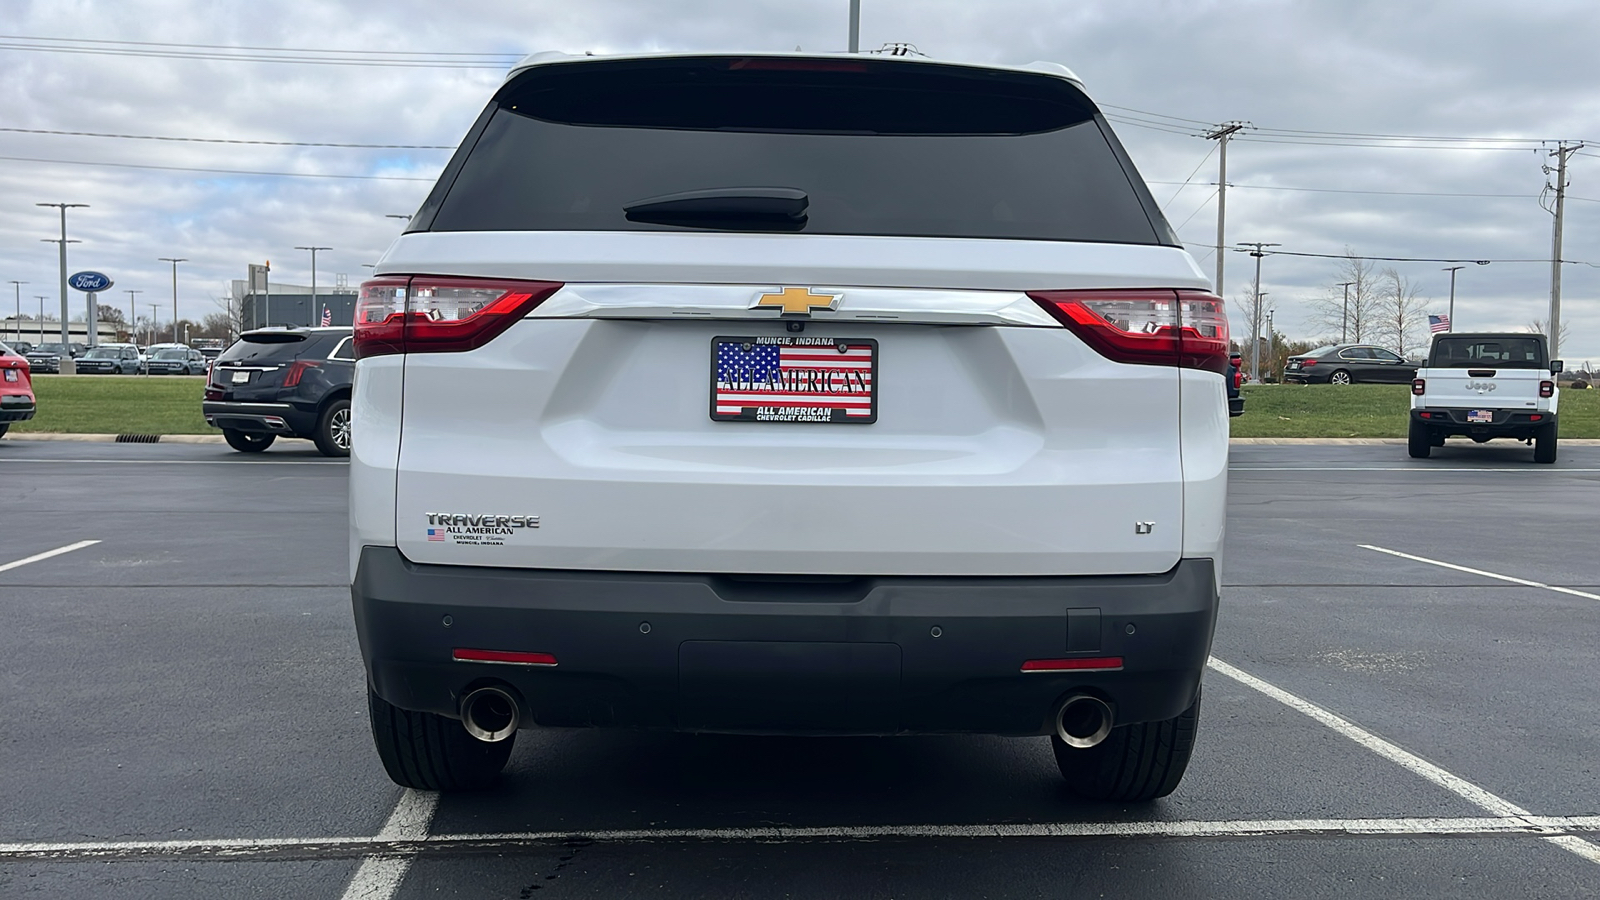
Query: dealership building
{"x": 270, "y": 303}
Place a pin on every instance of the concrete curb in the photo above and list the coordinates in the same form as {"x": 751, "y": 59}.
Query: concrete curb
{"x": 112, "y": 438}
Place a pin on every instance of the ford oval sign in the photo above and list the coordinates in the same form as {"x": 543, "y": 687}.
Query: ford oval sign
{"x": 89, "y": 282}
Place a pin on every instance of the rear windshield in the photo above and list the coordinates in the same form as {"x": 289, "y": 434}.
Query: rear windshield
{"x": 172, "y": 354}
{"x": 271, "y": 347}
{"x": 1498, "y": 352}
{"x": 876, "y": 148}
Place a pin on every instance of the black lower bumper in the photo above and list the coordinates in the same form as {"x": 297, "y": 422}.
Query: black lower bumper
{"x": 258, "y": 418}
{"x": 1505, "y": 423}
{"x": 16, "y": 408}
{"x": 880, "y": 655}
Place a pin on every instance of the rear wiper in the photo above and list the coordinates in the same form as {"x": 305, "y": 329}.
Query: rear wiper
{"x": 764, "y": 208}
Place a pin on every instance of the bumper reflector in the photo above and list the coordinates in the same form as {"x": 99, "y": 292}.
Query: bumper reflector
{"x": 506, "y": 657}
{"x": 1067, "y": 665}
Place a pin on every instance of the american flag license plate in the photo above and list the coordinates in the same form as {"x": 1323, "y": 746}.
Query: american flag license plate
{"x": 794, "y": 378}
{"x": 1480, "y": 415}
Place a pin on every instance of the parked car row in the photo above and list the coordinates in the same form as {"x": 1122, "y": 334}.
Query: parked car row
{"x": 120, "y": 359}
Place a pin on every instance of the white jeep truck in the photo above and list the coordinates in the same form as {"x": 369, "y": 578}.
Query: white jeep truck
{"x": 1486, "y": 386}
{"x": 789, "y": 394}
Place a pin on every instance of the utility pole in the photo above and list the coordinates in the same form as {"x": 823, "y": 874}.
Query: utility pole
{"x": 1344, "y": 320}
{"x": 855, "y": 26}
{"x": 1272, "y": 339}
{"x": 64, "y": 207}
{"x": 17, "y": 323}
{"x": 133, "y": 314}
{"x": 1222, "y": 134}
{"x": 1255, "y": 308}
{"x": 1450, "y": 317}
{"x": 174, "y": 298}
{"x": 1561, "y": 153}
{"x": 311, "y": 316}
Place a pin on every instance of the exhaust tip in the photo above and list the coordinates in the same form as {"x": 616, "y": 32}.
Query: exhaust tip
{"x": 1083, "y": 721}
{"x": 490, "y": 714}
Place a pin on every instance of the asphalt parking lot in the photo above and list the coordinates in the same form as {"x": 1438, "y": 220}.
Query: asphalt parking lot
{"x": 1404, "y": 701}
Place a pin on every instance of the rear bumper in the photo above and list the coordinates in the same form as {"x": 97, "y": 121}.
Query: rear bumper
{"x": 258, "y": 418}
{"x": 16, "y": 407}
{"x": 1303, "y": 377}
{"x": 714, "y": 653}
{"x": 1507, "y": 423}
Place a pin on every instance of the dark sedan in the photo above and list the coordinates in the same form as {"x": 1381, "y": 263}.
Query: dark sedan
{"x": 1349, "y": 364}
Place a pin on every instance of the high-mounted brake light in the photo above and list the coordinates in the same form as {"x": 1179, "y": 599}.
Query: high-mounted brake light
{"x": 1146, "y": 327}
{"x": 1419, "y": 386}
{"x": 1547, "y": 388}
{"x": 434, "y": 314}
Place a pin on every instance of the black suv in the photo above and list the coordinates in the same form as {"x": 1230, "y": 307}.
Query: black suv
{"x": 289, "y": 382}
{"x": 47, "y": 357}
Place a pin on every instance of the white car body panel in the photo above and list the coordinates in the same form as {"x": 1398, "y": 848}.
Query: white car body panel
{"x": 374, "y": 452}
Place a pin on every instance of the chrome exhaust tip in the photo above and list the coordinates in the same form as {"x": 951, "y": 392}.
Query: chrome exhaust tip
{"x": 1083, "y": 721}
{"x": 490, "y": 714}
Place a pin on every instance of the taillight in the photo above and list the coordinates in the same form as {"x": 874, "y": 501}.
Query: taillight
{"x": 1419, "y": 386}
{"x": 1307, "y": 363}
{"x": 432, "y": 314}
{"x": 213, "y": 393}
{"x": 1149, "y": 327}
{"x": 1547, "y": 388}
{"x": 296, "y": 369}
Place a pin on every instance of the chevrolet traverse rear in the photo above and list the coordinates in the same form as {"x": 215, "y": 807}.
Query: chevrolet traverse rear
{"x": 787, "y": 394}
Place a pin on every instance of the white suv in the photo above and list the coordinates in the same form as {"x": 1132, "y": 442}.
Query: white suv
{"x": 788, "y": 394}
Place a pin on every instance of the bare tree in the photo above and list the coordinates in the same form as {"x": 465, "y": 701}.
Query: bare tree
{"x": 1401, "y": 320}
{"x": 1253, "y": 321}
{"x": 1351, "y": 320}
{"x": 231, "y": 311}
{"x": 1542, "y": 326}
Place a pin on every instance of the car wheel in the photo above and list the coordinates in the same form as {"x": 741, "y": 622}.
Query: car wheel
{"x": 1544, "y": 445}
{"x": 244, "y": 442}
{"x": 4, "y": 427}
{"x": 1340, "y": 376}
{"x": 333, "y": 430}
{"x": 1135, "y": 763}
{"x": 1419, "y": 441}
{"x": 430, "y": 752}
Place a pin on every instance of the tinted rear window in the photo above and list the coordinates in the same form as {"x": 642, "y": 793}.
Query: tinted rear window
{"x": 879, "y": 147}
{"x": 273, "y": 348}
{"x": 1490, "y": 353}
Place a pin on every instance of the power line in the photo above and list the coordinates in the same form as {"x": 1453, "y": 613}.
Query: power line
{"x": 1189, "y": 179}
{"x": 200, "y": 140}
{"x": 19, "y": 37}
{"x": 75, "y": 162}
{"x": 1480, "y": 262}
{"x": 1203, "y": 204}
{"x": 1279, "y": 187}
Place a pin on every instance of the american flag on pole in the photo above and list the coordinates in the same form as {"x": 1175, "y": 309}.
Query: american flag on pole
{"x": 1437, "y": 324}
{"x": 327, "y": 317}
{"x": 794, "y": 379}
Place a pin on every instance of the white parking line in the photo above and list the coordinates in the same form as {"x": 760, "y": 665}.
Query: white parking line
{"x": 1455, "y": 784}
{"x": 392, "y": 848}
{"x": 380, "y": 877}
{"x": 46, "y": 555}
{"x": 1444, "y": 565}
{"x": 1519, "y": 470}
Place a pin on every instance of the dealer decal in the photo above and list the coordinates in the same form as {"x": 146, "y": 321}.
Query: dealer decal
{"x": 483, "y": 530}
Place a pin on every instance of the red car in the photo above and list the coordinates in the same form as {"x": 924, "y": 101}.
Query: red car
{"x": 16, "y": 389}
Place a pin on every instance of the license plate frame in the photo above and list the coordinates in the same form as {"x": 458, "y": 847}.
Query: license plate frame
{"x": 855, "y": 404}
{"x": 1480, "y": 417}
{"x": 11, "y": 375}
{"x": 239, "y": 378}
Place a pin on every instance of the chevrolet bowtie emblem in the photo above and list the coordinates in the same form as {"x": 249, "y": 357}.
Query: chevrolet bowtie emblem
{"x": 797, "y": 301}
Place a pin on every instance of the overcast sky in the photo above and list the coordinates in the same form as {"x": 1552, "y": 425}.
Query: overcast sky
{"x": 1459, "y": 69}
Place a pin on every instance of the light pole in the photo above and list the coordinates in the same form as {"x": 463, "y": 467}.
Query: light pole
{"x": 311, "y": 315}
{"x": 1450, "y": 317}
{"x": 1344, "y": 320}
{"x": 397, "y": 216}
{"x": 64, "y": 207}
{"x": 174, "y": 298}
{"x": 133, "y": 314}
{"x": 17, "y": 324}
{"x": 855, "y": 26}
{"x": 1255, "y": 310}
{"x": 1272, "y": 339}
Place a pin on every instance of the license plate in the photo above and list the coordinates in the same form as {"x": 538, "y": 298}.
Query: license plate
{"x": 1485, "y": 416}
{"x": 241, "y": 377}
{"x": 794, "y": 378}
{"x": 11, "y": 375}
{"x": 1294, "y": 365}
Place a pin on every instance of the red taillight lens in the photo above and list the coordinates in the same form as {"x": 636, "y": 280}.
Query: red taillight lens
{"x": 1536, "y": 418}
{"x": 1547, "y": 388}
{"x": 297, "y": 369}
{"x": 1419, "y": 386}
{"x": 507, "y": 657}
{"x": 428, "y": 314}
{"x": 1072, "y": 665}
{"x": 1148, "y": 327}
{"x": 1307, "y": 363}
{"x": 213, "y": 393}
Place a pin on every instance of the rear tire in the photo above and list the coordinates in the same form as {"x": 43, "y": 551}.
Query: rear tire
{"x": 1544, "y": 445}
{"x": 1340, "y": 377}
{"x": 430, "y": 752}
{"x": 245, "y": 442}
{"x": 4, "y": 427}
{"x": 1418, "y": 441}
{"x": 1135, "y": 763}
{"x": 333, "y": 429}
